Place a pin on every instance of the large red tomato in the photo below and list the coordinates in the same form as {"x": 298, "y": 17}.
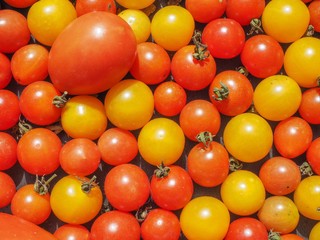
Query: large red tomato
{"x": 92, "y": 54}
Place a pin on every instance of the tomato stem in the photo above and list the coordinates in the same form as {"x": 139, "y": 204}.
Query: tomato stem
{"x": 309, "y": 31}
{"x": 60, "y": 101}
{"x": 255, "y": 26}
{"x": 21, "y": 128}
{"x": 201, "y": 50}
{"x": 306, "y": 169}
{"x": 221, "y": 93}
{"x": 243, "y": 70}
{"x": 273, "y": 235}
{"x": 42, "y": 186}
{"x": 162, "y": 171}
{"x": 234, "y": 164}
{"x": 86, "y": 186}
{"x": 142, "y": 213}
{"x": 205, "y": 137}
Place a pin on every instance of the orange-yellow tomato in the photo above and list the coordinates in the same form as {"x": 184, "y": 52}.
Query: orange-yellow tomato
{"x": 315, "y": 232}
{"x": 135, "y": 4}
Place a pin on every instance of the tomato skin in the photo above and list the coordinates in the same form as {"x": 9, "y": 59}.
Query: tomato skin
{"x": 314, "y": 10}
{"x": 127, "y": 187}
{"x": 160, "y": 224}
{"x": 78, "y": 68}
{"x": 312, "y": 155}
{"x": 10, "y": 40}
{"x": 191, "y": 73}
{"x": 315, "y": 232}
{"x": 72, "y": 231}
{"x": 240, "y": 94}
{"x": 291, "y": 236}
{"x": 246, "y": 228}
{"x": 8, "y": 151}
{"x": 5, "y": 74}
{"x": 292, "y": 137}
{"x": 9, "y": 109}
{"x": 38, "y": 151}
{"x": 279, "y": 175}
{"x": 224, "y": 37}
{"x": 135, "y": 4}
{"x": 115, "y": 225}
{"x": 8, "y": 189}
{"x": 309, "y": 108}
{"x": 86, "y": 6}
{"x": 20, "y": 3}
{"x": 67, "y": 198}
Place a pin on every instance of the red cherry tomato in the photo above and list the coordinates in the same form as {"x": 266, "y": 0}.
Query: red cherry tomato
{"x": 313, "y": 156}
{"x": 9, "y": 109}
{"x": 86, "y": 6}
{"x": 314, "y": 10}
{"x": 72, "y": 231}
{"x": 5, "y": 73}
{"x": 8, "y": 151}
{"x": 20, "y": 3}
{"x": 309, "y": 108}
{"x": 8, "y": 189}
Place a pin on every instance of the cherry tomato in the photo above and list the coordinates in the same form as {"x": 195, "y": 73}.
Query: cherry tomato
{"x": 30, "y": 64}
{"x": 9, "y": 109}
{"x": 5, "y": 74}
{"x": 36, "y": 103}
{"x": 283, "y": 94}
{"x": 79, "y": 157}
{"x": 160, "y": 224}
{"x": 248, "y": 137}
{"x": 204, "y": 11}
{"x": 152, "y": 64}
{"x": 285, "y": 20}
{"x": 172, "y": 27}
{"x": 292, "y": 137}
{"x": 129, "y": 104}
{"x": 38, "y": 151}
{"x": 104, "y": 61}
{"x": 301, "y": 61}
{"x": 262, "y": 56}
{"x": 135, "y": 4}
{"x": 190, "y": 72}
{"x": 76, "y": 200}
{"x": 279, "y": 214}
{"x": 169, "y": 98}
{"x": 8, "y": 189}
{"x": 84, "y": 116}
{"x": 117, "y": 146}
{"x": 312, "y": 155}
{"x": 309, "y": 108}
{"x": 197, "y": 116}
{"x": 161, "y": 141}
{"x": 115, "y": 225}
{"x": 224, "y": 37}
{"x": 315, "y": 232}
{"x": 279, "y": 175}
{"x": 314, "y": 10}
{"x": 291, "y": 236}
{"x": 247, "y": 228}
{"x": 86, "y": 6}
{"x": 46, "y": 19}
{"x": 8, "y": 151}
{"x": 11, "y": 41}
{"x": 205, "y": 217}
{"x": 72, "y": 231}
{"x": 231, "y": 92}
{"x": 127, "y": 187}
{"x": 243, "y": 192}
{"x": 20, "y": 3}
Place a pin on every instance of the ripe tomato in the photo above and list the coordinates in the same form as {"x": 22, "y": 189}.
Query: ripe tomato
{"x": 135, "y": 4}
{"x": 312, "y": 155}
{"x": 127, "y": 187}
{"x": 100, "y": 64}
{"x": 5, "y": 74}
{"x": 279, "y": 214}
{"x": 115, "y": 225}
{"x": 309, "y": 108}
{"x": 30, "y": 64}
{"x": 301, "y": 61}
{"x": 129, "y": 104}
{"x": 46, "y": 25}
{"x": 248, "y": 137}
{"x": 315, "y": 232}
{"x": 283, "y": 94}
{"x": 86, "y": 6}
{"x": 224, "y": 37}
{"x": 247, "y": 228}
{"x": 8, "y": 189}
{"x": 11, "y": 41}
{"x": 79, "y": 157}
{"x": 231, "y": 92}
{"x": 36, "y": 103}
{"x": 262, "y": 56}
{"x": 161, "y": 140}
{"x": 84, "y": 116}
{"x": 243, "y": 192}
{"x": 292, "y": 137}
{"x": 9, "y": 109}
{"x": 169, "y": 98}
{"x": 160, "y": 224}
{"x": 205, "y": 217}
{"x": 171, "y": 187}
{"x": 197, "y": 116}
{"x": 192, "y": 73}
{"x": 117, "y": 146}
{"x": 71, "y": 196}
{"x": 285, "y": 20}
{"x": 208, "y": 163}
{"x": 314, "y": 10}
{"x": 38, "y": 151}
{"x": 172, "y": 27}
{"x": 72, "y": 231}
{"x": 291, "y": 236}
{"x": 20, "y": 3}
{"x": 8, "y": 151}
{"x": 279, "y": 175}
{"x": 204, "y": 11}
{"x": 152, "y": 64}
{"x": 139, "y": 22}
{"x": 306, "y": 197}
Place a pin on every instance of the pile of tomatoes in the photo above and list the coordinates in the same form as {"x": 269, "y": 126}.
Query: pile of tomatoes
{"x": 143, "y": 119}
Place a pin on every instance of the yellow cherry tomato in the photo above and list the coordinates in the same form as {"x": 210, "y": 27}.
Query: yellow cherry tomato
{"x": 315, "y": 232}
{"x": 135, "y": 4}
{"x": 47, "y": 18}
{"x": 139, "y": 23}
